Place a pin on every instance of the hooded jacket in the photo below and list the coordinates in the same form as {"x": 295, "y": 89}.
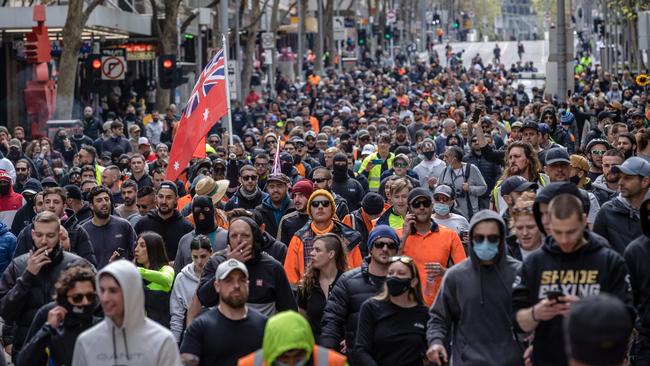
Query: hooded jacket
{"x": 473, "y": 307}
{"x": 618, "y": 222}
{"x": 272, "y": 215}
{"x": 601, "y": 191}
{"x": 636, "y": 258}
{"x": 10, "y": 204}
{"x": 184, "y": 288}
{"x": 590, "y": 270}
{"x": 239, "y": 201}
{"x": 138, "y": 341}
{"x": 22, "y": 293}
{"x": 7, "y": 246}
{"x": 171, "y": 229}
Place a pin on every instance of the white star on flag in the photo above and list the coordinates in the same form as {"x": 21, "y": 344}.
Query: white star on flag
{"x": 176, "y": 165}
{"x": 206, "y": 113}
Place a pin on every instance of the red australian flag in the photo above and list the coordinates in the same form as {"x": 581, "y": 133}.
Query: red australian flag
{"x": 206, "y": 106}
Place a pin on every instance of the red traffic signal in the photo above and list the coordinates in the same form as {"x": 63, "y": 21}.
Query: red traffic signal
{"x": 96, "y": 64}
{"x": 167, "y": 73}
{"x": 167, "y": 64}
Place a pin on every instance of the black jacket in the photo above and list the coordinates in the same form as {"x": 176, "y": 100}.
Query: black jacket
{"x": 79, "y": 242}
{"x": 636, "y": 258}
{"x": 619, "y": 223}
{"x": 24, "y": 217}
{"x": 341, "y": 313}
{"x": 590, "y": 270}
{"x": 274, "y": 248}
{"x": 60, "y": 342}
{"x": 239, "y": 201}
{"x": 171, "y": 229}
{"x": 351, "y": 190}
{"x": 22, "y": 293}
{"x": 490, "y": 170}
{"x": 271, "y": 226}
{"x": 290, "y": 224}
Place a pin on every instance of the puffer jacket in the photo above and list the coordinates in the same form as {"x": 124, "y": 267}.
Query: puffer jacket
{"x": 290, "y": 224}
{"x": 272, "y": 215}
{"x": 636, "y": 258}
{"x": 7, "y": 246}
{"x": 341, "y": 313}
{"x": 619, "y": 223}
{"x": 491, "y": 171}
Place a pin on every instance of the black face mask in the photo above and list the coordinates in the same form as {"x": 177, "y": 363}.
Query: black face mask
{"x": 339, "y": 173}
{"x": 13, "y": 155}
{"x": 429, "y": 154}
{"x": 203, "y": 204}
{"x": 286, "y": 168}
{"x": 575, "y": 179}
{"x": 4, "y": 189}
{"x": 77, "y": 315}
{"x": 397, "y": 286}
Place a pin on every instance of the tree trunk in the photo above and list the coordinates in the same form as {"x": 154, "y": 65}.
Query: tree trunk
{"x": 329, "y": 31}
{"x": 74, "y": 23}
{"x": 168, "y": 46}
{"x": 249, "y": 51}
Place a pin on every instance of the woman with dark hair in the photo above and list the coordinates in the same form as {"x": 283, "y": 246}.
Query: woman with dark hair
{"x": 392, "y": 325}
{"x": 53, "y": 157}
{"x": 157, "y": 274}
{"x": 328, "y": 262}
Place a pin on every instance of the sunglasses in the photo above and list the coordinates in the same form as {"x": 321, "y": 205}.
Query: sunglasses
{"x": 401, "y": 258}
{"x": 213, "y": 141}
{"x": 320, "y": 180}
{"x": 385, "y": 244}
{"x": 598, "y": 152}
{"x": 441, "y": 198}
{"x": 21, "y": 169}
{"x": 249, "y": 177}
{"x": 315, "y": 204}
{"x": 400, "y": 165}
{"x": 493, "y": 238}
{"x": 77, "y": 298}
{"x": 144, "y": 207}
{"x": 271, "y": 142}
{"x": 421, "y": 203}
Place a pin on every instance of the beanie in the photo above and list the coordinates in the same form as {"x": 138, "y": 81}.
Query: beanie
{"x": 382, "y": 231}
{"x": 372, "y": 203}
{"x": 304, "y": 187}
{"x": 321, "y": 192}
{"x": 566, "y": 117}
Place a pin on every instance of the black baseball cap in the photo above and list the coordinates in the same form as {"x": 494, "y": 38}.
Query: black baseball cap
{"x": 420, "y": 192}
{"x": 602, "y": 115}
{"x": 516, "y": 183}
{"x": 530, "y": 124}
{"x": 557, "y": 155}
{"x": 74, "y": 192}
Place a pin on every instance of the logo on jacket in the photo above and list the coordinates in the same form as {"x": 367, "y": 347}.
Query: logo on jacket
{"x": 418, "y": 325}
{"x": 259, "y": 282}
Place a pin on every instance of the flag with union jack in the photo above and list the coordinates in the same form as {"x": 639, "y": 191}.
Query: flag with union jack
{"x": 206, "y": 105}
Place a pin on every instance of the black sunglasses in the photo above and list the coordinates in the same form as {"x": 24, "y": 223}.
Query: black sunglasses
{"x": 494, "y": 238}
{"x": 381, "y": 244}
{"x": 249, "y": 177}
{"x": 77, "y": 298}
{"x": 320, "y": 180}
{"x": 421, "y": 203}
{"x": 315, "y": 204}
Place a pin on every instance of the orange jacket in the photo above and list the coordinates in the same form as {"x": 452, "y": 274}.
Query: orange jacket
{"x": 355, "y": 259}
{"x": 440, "y": 245}
{"x": 321, "y": 356}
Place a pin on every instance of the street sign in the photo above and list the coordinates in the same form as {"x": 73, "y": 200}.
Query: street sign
{"x": 391, "y": 16}
{"x": 471, "y": 14}
{"x": 339, "y": 28}
{"x": 113, "y": 68}
{"x": 268, "y": 40}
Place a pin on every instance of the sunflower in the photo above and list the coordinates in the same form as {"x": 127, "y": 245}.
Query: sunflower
{"x": 642, "y": 80}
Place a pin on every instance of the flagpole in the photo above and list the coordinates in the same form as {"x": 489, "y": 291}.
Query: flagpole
{"x": 224, "y": 42}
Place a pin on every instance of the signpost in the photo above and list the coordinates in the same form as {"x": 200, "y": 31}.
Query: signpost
{"x": 113, "y": 68}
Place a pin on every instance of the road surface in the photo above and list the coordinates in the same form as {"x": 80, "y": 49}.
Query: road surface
{"x": 536, "y": 51}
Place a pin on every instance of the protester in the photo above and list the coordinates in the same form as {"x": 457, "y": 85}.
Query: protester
{"x": 125, "y": 333}
{"x": 526, "y": 236}
{"x": 295, "y": 220}
{"x": 363, "y": 221}
{"x": 465, "y": 179}
{"x": 278, "y": 202}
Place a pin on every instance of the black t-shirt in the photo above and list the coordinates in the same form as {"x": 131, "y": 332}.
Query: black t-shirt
{"x": 220, "y": 341}
{"x": 314, "y": 305}
{"x": 391, "y": 335}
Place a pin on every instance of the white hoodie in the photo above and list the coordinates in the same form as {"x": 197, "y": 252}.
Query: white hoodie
{"x": 140, "y": 341}
{"x": 184, "y": 288}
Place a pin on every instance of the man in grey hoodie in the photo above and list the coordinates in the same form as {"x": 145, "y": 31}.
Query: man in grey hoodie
{"x": 472, "y": 310}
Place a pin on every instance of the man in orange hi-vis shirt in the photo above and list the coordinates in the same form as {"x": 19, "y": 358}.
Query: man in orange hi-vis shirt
{"x": 433, "y": 247}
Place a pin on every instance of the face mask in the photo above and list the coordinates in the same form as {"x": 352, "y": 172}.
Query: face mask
{"x": 397, "y": 286}
{"x": 339, "y": 173}
{"x": 207, "y": 224}
{"x": 4, "y": 189}
{"x": 441, "y": 209}
{"x": 485, "y": 250}
{"x": 428, "y": 154}
{"x": 78, "y": 314}
{"x": 575, "y": 179}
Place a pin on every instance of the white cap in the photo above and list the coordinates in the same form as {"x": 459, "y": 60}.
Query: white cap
{"x": 368, "y": 149}
{"x": 224, "y": 269}
{"x": 143, "y": 141}
{"x": 345, "y": 109}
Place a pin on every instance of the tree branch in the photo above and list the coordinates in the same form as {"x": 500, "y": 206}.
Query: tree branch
{"x": 285, "y": 15}
{"x": 192, "y": 16}
{"x": 154, "y": 14}
{"x": 86, "y": 14}
{"x": 256, "y": 19}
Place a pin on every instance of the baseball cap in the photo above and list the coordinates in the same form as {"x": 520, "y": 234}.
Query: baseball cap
{"x": 530, "y": 124}
{"x": 15, "y": 143}
{"x": 517, "y": 124}
{"x": 444, "y": 190}
{"x": 598, "y": 142}
{"x": 402, "y": 157}
{"x": 73, "y": 192}
{"x": 169, "y": 185}
{"x": 143, "y": 141}
{"x": 419, "y": 192}
{"x": 604, "y": 114}
{"x": 5, "y": 176}
{"x": 49, "y": 182}
{"x": 633, "y": 166}
{"x": 516, "y": 183}
{"x": 557, "y": 155}
{"x": 368, "y": 149}
{"x": 597, "y": 330}
{"x": 33, "y": 186}
{"x": 228, "y": 266}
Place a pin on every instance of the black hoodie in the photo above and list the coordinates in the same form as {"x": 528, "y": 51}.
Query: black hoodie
{"x": 473, "y": 307}
{"x": 171, "y": 229}
{"x": 636, "y": 258}
{"x": 590, "y": 270}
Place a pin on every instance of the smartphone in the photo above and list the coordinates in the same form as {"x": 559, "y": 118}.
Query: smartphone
{"x": 377, "y": 161}
{"x": 554, "y": 295}
{"x": 121, "y": 252}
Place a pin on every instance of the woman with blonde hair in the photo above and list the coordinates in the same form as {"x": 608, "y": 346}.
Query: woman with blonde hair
{"x": 392, "y": 325}
{"x": 526, "y": 236}
{"x": 328, "y": 262}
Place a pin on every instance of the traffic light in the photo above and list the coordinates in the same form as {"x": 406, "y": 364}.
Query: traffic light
{"x": 361, "y": 37}
{"x": 456, "y": 24}
{"x": 436, "y": 18}
{"x": 388, "y": 33}
{"x": 167, "y": 74}
{"x": 94, "y": 67}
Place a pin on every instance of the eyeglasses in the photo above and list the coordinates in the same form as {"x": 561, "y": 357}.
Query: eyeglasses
{"x": 598, "y": 152}
{"x": 271, "y": 142}
{"x": 249, "y": 177}
{"x": 400, "y": 165}
{"x": 77, "y": 298}
{"x": 385, "y": 244}
{"x": 401, "y": 258}
{"x": 213, "y": 141}
{"x": 21, "y": 169}
{"x": 474, "y": 141}
{"x": 493, "y": 238}
{"x": 315, "y": 204}
{"x": 320, "y": 180}
{"x": 421, "y": 203}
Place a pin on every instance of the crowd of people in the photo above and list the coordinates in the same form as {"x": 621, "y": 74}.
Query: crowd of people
{"x": 411, "y": 215}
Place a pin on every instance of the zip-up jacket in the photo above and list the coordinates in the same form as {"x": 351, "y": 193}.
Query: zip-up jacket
{"x": 171, "y": 229}
{"x": 157, "y": 289}
{"x": 290, "y": 224}
{"x": 636, "y": 258}
{"x": 619, "y": 223}
{"x": 79, "y": 242}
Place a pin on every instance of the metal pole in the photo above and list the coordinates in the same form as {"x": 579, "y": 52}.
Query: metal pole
{"x": 562, "y": 50}
{"x": 238, "y": 50}
{"x": 423, "y": 26}
{"x": 224, "y": 40}
{"x": 321, "y": 36}
{"x": 301, "y": 51}
{"x": 223, "y": 20}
